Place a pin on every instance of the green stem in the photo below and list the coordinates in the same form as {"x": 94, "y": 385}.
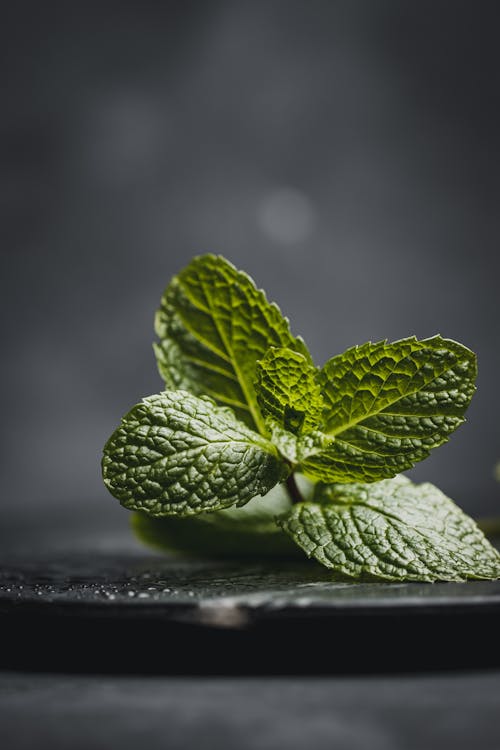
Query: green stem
{"x": 293, "y": 490}
{"x": 490, "y": 526}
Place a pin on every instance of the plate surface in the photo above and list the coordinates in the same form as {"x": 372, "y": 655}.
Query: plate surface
{"x": 225, "y": 594}
{"x": 185, "y": 616}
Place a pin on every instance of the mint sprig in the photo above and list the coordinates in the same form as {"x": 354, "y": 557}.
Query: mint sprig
{"x": 245, "y": 410}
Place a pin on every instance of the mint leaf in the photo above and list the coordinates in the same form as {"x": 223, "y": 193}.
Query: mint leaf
{"x": 392, "y": 530}
{"x": 288, "y": 393}
{"x": 246, "y": 532}
{"x": 213, "y": 326}
{"x": 367, "y": 415}
{"x": 388, "y": 405}
{"x": 178, "y": 454}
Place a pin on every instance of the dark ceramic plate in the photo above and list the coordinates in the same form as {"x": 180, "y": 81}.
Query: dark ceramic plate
{"x": 142, "y": 613}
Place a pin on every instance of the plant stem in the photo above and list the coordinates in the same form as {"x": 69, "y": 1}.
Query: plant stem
{"x": 293, "y": 490}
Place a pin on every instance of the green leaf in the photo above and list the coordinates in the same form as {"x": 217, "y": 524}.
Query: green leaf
{"x": 388, "y": 406}
{"x": 392, "y": 530}
{"x": 288, "y": 393}
{"x": 177, "y": 454}
{"x": 247, "y": 532}
{"x": 213, "y": 326}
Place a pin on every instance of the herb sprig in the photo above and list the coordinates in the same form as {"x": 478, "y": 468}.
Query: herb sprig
{"x": 247, "y": 415}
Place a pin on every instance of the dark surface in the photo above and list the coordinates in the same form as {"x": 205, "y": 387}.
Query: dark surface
{"x": 456, "y": 712}
{"x": 200, "y": 664}
{"x": 225, "y": 594}
{"x": 233, "y": 616}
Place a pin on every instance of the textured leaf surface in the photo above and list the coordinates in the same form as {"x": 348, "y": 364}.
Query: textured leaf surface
{"x": 392, "y": 530}
{"x": 389, "y": 405}
{"x": 213, "y": 326}
{"x": 288, "y": 392}
{"x": 247, "y": 532}
{"x": 177, "y": 454}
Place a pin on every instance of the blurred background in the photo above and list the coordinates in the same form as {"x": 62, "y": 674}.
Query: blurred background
{"x": 345, "y": 154}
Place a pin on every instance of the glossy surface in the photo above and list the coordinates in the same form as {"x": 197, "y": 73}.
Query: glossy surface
{"x": 119, "y": 585}
{"x": 127, "y": 612}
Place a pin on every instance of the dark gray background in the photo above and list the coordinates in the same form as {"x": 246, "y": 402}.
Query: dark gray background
{"x": 344, "y": 153}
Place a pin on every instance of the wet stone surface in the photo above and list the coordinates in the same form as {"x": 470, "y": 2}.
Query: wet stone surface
{"x": 215, "y": 593}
